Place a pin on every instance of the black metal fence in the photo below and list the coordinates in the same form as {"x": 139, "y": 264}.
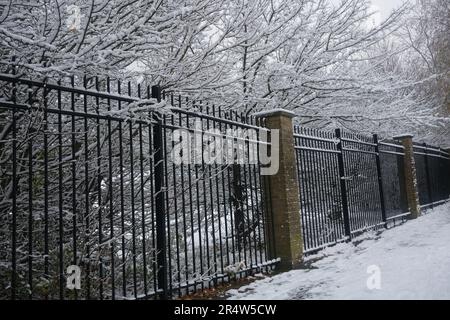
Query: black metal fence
{"x": 322, "y": 208}
{"x": 216, "y": 228}
{"x": 433, "y": 174}
{"x": 89, "y": 178}
{"x": 350, "y": 183}
{"x": 86, "y": 180}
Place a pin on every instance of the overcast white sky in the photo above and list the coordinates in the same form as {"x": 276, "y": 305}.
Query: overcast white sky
{"x": 384, "y": 7}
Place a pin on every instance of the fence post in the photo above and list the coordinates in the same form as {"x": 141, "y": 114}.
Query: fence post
{"x": 380, "y": 179}
{"x": 285, "y": 227}
{"x": 410, "y": 175}
{"x": 344, "y": 199}
{"x": 158, "y": 149}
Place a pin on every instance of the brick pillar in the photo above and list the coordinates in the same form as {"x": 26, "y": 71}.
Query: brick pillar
{"x": 284, "y": 229}
{"x": 409, "y": 167}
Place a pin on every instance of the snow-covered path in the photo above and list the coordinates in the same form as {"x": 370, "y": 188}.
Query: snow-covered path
{"x": 413, "y": 261}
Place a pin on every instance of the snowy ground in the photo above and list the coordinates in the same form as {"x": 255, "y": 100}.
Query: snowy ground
{"x": 412, "y": 261}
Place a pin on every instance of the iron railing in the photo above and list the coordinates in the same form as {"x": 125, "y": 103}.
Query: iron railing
{"x": 351, "y": 182}
{"x": 433, "y": 174}
{"x": 87, "y": 180}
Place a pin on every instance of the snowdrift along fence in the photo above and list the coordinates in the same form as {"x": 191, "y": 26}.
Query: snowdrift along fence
{"x": 86, "y": 180}
{"x": 351, "y": 182}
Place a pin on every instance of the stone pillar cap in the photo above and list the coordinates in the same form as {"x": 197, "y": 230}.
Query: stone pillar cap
{"x": 402, "y": 136}
{"x": 275, "y": 112}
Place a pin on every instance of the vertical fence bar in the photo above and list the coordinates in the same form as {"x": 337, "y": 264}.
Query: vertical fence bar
{"x": 99, "y": 192}
{"x": 175, "y": 210}
{"x": 183, "y": 211}
{"x": 132, "y": 196}
{"x": 219, "y": 219}
{"x": 165, "y": 165}
{"x": 222, "y": 168}
{"x": 74, "y": 179}
{"x": 203, "y": 169}
{"x": 401, "y": 183}
{"x": 152, "y": 198}
{"x": 30, "y": 206}
{"x": 427, "y": 174}
{"x": 380, "y": 178}
{"x": 445, "y": 162}
{"x": 244, "y": 188}
{"x": 14, "y": 203}
{"x": 60, "y": 200}
{"x": 14, "y": 194}
{"x": 258, "y": 208}
{"x": 161, "y": 259}
{"x": 30, "y": 217}
{"x": 343, "y": 184}
{"x": 314, "y": 213}
{"x": 86, "y": 191}
{"x": 122, "y": 205}
{"x": 211, "y": 201}
{"x": 230, "y": 203}
{"x": 304, "y": 196}
{"x": 142, "y": 183}
{"x": 46, "y": 211}
{"x": 191, "y": 209}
